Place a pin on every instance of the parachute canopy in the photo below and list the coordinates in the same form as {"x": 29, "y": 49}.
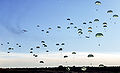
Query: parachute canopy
{"x": 96, "y": 20}
{"x": 90, "y": 55}
{"x": 109, "y": 11}
{"x": 73, "y": 52}
{"x": 98, "y": 3}
{"x": 99, "y": 35}
{"x": 115, "y": 15}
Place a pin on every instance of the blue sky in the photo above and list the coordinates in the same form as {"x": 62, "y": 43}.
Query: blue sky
{"x": 17, "y": 15}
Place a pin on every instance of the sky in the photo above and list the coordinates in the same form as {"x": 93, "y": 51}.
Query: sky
{"x": 19, "y": 15}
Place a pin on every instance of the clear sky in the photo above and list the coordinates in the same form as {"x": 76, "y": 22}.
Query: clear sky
{"x": 19, "y": 15}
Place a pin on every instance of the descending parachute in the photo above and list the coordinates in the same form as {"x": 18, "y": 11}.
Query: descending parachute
{"x": 41, "y": 61}
{"x": 98, "y": 3}
{"x": 71, "y": 23}
{"x": 115, "y": 16}
{"x": 47, "y": 51}
{"x": 84, "y": 23}
{"x": 73, "y": 52}
{"x": 75, "y": 27}
{"x": 96, "y": 20}
{"x": 68, "y": 27}
{"x": 63, "y": 44}
{"x": 65, "y": 56}
{"x": 37, "y": 46}
{"x": 68, "y": 18}
{"x": 99, "y": 35}
{"x": 90, "y": 55}
{"x": 60, "y": 49}
{"x": 101, "y": 65}
{"x": 89, "y": 27}
{"x": 109, "y": 11}
{"x": 90, "y": 22}
{"x": 89, "y": 30}
{"x": 58, "y": 27}
{"x": 104, "y": 23}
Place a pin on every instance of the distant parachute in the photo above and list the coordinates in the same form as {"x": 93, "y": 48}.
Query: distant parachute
{"x": 101, "y": 65}
{"x": 84, "y": 23}
{"x": 68, "y": 18}
{"x": 37, "y": 46}
{"x": 24, "y": 30}
{"x": 68, "y": 27}
{"x": 73, "y": 52}
{"x": 38, "y": 25}
{"x": 19, "y": 46}
{"x": 41, "y": 61}
{"x": 90, "y": 55}
{"x": 104, "y": 23}
{"x": 60, "y": 49}
{"x": 115, "y": 16}
{"x": 57, "y": 44}
{"x": 42, "y": 30}
{"x": 98, "y": 3}
{"x": 47, "y": 31}
{"x": 42, "y": 41}
{"x": 31, "y": 52}
{"x": 89, "y": 30}
{"x": 71, "y": 23}
{"x": 109, "y": 11}
{"x": 79, "y": 29}
{"x": 90, "y": 22}
{"x": 87, "y": 36}
{"x": 65, "y": 56}
{"x": 105, "y": 26}
{"x": 31, "y": 48}
{"x": 89, "y": 27}
{"x": 8, "y": 43}
{"x": 49, "y": 28}
{"x": 63, "y": 44}
{"x": 99, "y": 35}
{"x": 96, "y": 20}
{"x": 47, "y": 51}
{"x": 58, "y": 27}
{"x": 75, "y": 27}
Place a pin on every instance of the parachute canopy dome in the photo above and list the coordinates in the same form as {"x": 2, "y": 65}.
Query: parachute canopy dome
{"x": 115, "y": 15}
{"x": 109, "y": 11}
{"x": 105, "y": 26}
{"x": 104, "y": 23}
{"x": 89, "y": 27}
{"x": 68, "y": 18}
{"x": 73, "y": 52}
{"x": 101, "y": 65}
{"x": 65, "y": 56}
{"x": 99, "y": 35}
{"x": 41, "y": 61}
{"x": 96, "y": 20}
{"x": 90, "y": 55}
{"x": 89, "y": 30}
{"x": 98, "y": 3}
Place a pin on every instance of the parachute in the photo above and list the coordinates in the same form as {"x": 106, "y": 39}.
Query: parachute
{"x": 98, "y": 3}
{"x": 90, "y": 55}
{"x": 99, "y": 35}
{"x": 109, "y": 11}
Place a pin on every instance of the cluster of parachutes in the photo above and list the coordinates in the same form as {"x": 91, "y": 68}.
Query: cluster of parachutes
{"x": 79, "y": 32}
